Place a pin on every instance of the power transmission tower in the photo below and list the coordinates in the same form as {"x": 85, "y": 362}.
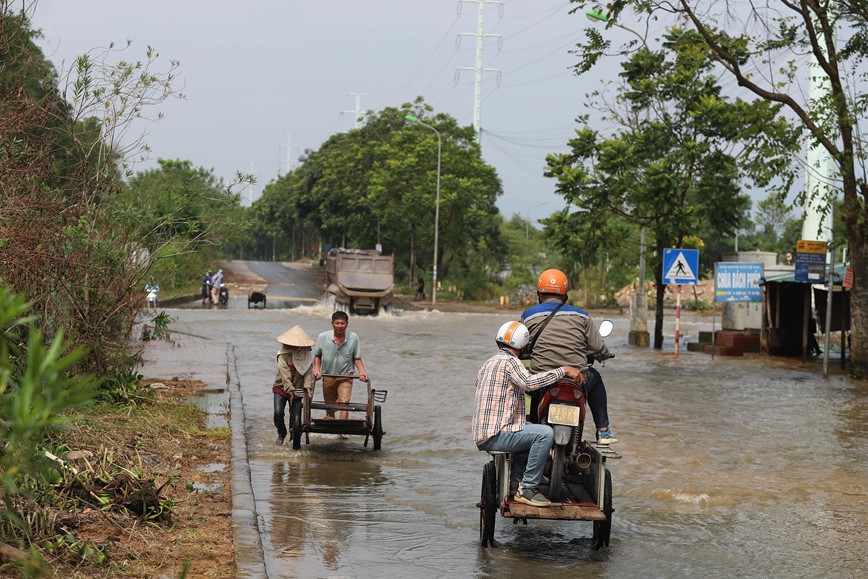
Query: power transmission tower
{"x": 358, "y": 112}
{"x": 479, "y": 69}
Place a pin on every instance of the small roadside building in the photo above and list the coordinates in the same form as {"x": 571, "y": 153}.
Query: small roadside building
{"x": 787, "y": 310}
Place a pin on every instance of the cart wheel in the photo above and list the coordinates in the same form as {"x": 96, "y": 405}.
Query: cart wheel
{"x": 603, "y": 529}
{"x": 295, "y": 420}
{"x": 378, "y": 427}
{"x": 488, "y": 505}
{"x": 556, "y": 483}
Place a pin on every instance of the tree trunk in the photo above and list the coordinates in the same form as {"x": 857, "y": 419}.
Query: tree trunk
{"x": 858, "y": 241}
{"x": 413, "y": 257}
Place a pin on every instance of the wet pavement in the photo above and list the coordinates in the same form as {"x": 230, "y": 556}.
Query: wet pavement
{"x": 746, "y": 467}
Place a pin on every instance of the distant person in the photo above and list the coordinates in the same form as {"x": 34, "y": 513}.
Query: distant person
{"x": 336, "y": 354}
{"x": 216, "y": 284}
{"x": 152, "y": 292}
{"x": 813, "y": 346}
{"x": 294, "y": 372}
{"x": 206, "y": 287}
{"x": 499, "y": 422}
{"x": 420, "y": 289}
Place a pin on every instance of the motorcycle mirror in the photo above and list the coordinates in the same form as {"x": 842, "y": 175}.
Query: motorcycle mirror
{"x": 606, "y": 327}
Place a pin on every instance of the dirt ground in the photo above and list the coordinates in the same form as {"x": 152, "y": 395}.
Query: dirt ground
{"x": 165, "y": 442}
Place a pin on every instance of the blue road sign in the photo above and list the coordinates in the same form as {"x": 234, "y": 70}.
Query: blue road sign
{"x": 737, "y": 282}
{"x": 680, "y": 266}
{"x": 810, "y": 267}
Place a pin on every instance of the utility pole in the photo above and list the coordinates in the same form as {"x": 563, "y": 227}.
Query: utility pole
{"x": 288, "y": 155}
{"x": 357, "y": 114}
{"x": 820, "y": 195}
{"x": 250, "y": 190}
{"x": 478, "y": 69}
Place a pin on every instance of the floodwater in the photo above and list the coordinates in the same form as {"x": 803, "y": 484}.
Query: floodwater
{"x": 744, "y": 467}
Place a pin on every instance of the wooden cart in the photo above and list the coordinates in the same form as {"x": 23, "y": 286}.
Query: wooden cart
{"x": 365, "y": 419}
{"x": 589, "y": 496}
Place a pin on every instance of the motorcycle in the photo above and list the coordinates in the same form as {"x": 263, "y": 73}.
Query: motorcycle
{"x": 151, "y": 298}
{"x": 580, "y": 485}
{"x": 223, "y": 295}
{"x": 562, "y": 406}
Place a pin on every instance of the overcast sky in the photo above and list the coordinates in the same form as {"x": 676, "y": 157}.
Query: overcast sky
{"x": 259, "y": 75}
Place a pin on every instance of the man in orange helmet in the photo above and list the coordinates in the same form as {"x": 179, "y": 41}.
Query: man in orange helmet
{"x": 568, "y": 338}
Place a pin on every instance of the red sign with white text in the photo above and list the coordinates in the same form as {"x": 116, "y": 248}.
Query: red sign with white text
{"x": 848, "y": 278}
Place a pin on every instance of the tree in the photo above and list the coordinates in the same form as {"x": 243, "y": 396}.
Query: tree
{"x": 678, "y": 162}
{"x": 761, "y": 49}
{"x": 171, "y": 212}
{"x": 377, "y": 184}
{"x": 62, "y": 162}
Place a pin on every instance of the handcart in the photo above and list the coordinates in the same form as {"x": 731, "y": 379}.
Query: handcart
{"x": 365, "y": 419}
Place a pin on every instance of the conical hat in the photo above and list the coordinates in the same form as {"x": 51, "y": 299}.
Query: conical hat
{"x": 296, "y": 336}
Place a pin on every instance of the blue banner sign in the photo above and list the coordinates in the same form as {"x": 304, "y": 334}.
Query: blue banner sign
{"x": 737, "y": 282}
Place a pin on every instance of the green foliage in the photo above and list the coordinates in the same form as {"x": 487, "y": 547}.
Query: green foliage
{"x": 762, "y": 50}
{"x": 38, "y": 391}
{"x": 178, "y": 215}
{"x": 378, "y": 183}
{"x": 677, "y": 164}
{"x": 698, "y": 305}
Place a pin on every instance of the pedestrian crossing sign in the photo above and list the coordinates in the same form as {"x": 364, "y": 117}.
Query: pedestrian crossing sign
{"x": 680, "y": 266}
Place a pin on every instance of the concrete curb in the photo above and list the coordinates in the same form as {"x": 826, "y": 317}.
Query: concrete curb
{"x": 249, "y": 556}
{"x": 172, "y": 358}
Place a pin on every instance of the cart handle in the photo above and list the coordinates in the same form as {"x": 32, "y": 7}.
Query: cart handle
{"x": 350, "y": 376}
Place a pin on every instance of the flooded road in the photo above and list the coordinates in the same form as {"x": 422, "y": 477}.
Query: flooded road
{"x": 731, "y": 467}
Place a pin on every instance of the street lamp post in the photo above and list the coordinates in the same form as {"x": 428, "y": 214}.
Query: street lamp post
{"x": 416, "y": 120}
{"x": 527, "y": 221}
{"x": 638, "y": 335}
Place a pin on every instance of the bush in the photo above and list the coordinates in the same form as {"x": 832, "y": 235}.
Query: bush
{"x": 37, "y": 393}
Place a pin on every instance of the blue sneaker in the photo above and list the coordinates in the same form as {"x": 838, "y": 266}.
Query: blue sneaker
{"x": 606, "y": 437}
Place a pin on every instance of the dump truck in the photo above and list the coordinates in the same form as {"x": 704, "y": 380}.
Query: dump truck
{"x": 361, "y": 280}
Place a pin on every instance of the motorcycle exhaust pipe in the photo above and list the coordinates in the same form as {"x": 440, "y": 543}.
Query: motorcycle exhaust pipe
{"x": 583, "y": 460}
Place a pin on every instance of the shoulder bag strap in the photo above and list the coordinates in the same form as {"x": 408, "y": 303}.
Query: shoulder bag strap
{"x": 529, "y": 348}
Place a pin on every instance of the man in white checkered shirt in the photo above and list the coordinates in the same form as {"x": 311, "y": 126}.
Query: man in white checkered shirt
{"x": 499, "y": 413}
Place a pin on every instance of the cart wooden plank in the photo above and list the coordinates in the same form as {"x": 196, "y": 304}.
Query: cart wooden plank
{"x": 353, "y": 406}
{"x": 560, "y": 511}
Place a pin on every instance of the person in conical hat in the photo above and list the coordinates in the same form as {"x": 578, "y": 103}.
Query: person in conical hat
{"x": 296, "y": 336}
{"x": 294, "y": 372}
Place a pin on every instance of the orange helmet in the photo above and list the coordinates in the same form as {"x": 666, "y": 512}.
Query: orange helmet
{"x": 553, "y": 281}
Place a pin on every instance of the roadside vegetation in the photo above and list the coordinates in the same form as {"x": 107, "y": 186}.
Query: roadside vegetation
{"x": 79, "y": 234}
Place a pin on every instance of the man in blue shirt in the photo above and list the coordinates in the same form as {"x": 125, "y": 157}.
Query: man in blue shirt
{"x": 336, "y": 354}
{"x": 569, "y": 338}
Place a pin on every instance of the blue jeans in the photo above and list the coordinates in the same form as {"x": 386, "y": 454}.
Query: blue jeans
{"x": 595, "y": 392}
{"x": 530, "y": 449}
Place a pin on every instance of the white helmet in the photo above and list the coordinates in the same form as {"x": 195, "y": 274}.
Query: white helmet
{"x": 513, "y": 334}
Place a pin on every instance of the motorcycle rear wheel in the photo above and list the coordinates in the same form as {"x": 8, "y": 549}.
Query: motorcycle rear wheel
{"x": 556, "y": 481}
{"x": 603, "y": 529}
